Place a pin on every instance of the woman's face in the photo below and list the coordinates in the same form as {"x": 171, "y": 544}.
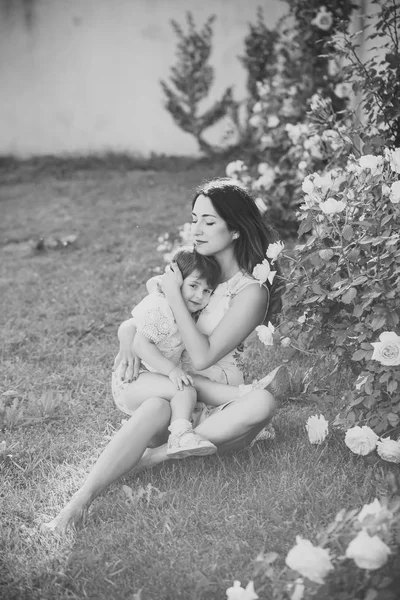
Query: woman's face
{"x": 209, "y": 230}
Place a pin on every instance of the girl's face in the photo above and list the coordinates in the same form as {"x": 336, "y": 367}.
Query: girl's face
{"x": 210, "y": 231}
{"x": 195, "y": 292}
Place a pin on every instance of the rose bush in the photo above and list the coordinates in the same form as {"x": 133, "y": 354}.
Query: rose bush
{"x": 296, "y": 65}
{"x": 358, "y": 549}
{"x": 346, "y": 279}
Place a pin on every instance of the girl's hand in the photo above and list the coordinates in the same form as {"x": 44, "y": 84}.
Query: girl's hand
{"x": 179, "y": 378}
{"x": 171, "y": 281}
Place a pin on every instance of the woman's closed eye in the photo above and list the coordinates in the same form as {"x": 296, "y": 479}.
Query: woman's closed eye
{"x": 205, "y": 222}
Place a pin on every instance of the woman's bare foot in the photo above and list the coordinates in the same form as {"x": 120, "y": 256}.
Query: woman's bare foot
{"x": 70, "y": 515}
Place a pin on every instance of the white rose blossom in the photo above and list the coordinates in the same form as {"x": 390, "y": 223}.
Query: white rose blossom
{"x": 323, "y": 19}
{"x": 372, "y": 509}
{"x": 387, "y": 350}
{"x": 238, "y": 593}
{"x": 266, "y": 334}
{"x": 374, "y": 163}
{"x": 323, "y": 182}
{"x": 361, "y": 440}
{"x": 310, "y": 561}
{"x": 389, "y": 450}
{"x": 274, "y": 250}
{"x": 267, "y": 140}
{"x": 262, "y": 272}
{"x": 273, "y": 121}
{"x": 342, "y": 90}
{"x": 368, "y": 552}
{"x": 295, "y": 132}
{"x": 264, "y": 168}
{"x": 265, "y": 180}
{"x": 302, "y": 166}
{"x": 312, "y": 144}
{"x": 255, "y": 120}
{"x": 394, "y": 192}
{"x": 234, "y": 168}
{"x": 317, "y": 429}
{"x": 332, "y": 206}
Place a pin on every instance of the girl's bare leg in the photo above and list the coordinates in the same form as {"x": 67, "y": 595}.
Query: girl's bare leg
{"x": 150, "y": 385}
{"x": 120, "y": 456}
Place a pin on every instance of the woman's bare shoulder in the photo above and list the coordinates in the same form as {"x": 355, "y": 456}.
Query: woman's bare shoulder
{"x": 251, "y": 293}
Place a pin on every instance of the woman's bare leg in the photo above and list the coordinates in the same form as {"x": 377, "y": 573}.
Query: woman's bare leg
{"x": 120, "y": 456}
{"x": 246, "y": 415}
{"x": 277, "y": 382}
{"x": 213, "y": 393}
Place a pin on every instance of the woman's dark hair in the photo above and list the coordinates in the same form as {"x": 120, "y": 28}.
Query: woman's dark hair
{"x": 236, "y": 206}
{"x": 207, "y": 267}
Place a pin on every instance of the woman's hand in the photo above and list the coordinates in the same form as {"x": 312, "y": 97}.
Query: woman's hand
{"x": 171, "y": 281}
{"x": 127, "y": 359}
{"x": 179, "y": 378}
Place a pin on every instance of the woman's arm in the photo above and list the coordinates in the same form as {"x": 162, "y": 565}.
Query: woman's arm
{"x": 126, "y": 357}
{"x": 246, "y": 311}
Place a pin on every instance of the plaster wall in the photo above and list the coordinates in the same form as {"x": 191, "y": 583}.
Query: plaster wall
{"x": 82, "y": 76}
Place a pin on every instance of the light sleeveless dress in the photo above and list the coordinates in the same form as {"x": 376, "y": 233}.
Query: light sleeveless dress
{"x": 228, "y": 369}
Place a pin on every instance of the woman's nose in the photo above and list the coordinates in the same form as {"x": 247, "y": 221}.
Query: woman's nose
{"x": 196, "y": 228}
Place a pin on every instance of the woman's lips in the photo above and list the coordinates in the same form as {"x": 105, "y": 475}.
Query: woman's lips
{"x": 199, "y": 242}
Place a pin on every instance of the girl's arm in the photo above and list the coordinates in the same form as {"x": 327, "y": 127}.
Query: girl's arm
{"x": 148, "y": 351}
{"x": 233, "y": 329}
{"x": 153, "y": 284}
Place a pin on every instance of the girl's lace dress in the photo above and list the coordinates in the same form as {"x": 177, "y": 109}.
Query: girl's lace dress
{"x": 154, "y": 319}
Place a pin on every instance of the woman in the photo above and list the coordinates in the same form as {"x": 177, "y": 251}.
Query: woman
{"x": 227, "y": 225}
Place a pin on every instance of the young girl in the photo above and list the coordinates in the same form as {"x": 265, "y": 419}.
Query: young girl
{"x": 159, "y": 345}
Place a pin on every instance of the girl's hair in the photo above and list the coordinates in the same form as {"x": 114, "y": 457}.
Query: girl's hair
{"x": 235, "y": 205}
{"x": 207, "y": 267}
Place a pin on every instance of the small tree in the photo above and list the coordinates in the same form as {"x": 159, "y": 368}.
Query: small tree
{"x": 259, "y": 58}
{"x": 191, "y": 79}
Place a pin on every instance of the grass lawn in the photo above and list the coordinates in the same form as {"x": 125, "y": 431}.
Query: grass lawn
{"x": 182, "y": 531}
